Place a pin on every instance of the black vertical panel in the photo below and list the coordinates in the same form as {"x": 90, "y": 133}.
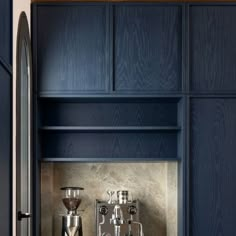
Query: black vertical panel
{"x": 213, "y": 48}
{"x": 5, "y": 152}
{"x": 147, "y": 47}
{"x": 72, "y": 50}
{"x": 212, "y": 167}
{"x": 5, "y": 31}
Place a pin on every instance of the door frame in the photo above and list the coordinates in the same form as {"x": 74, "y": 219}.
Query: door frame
{"x": 23, "y": 35}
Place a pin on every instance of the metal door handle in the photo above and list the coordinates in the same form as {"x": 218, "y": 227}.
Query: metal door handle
{"x": 23, "y": 215}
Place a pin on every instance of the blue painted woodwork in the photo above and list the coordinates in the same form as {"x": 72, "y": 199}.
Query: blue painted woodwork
{"x": 92, "y": 47}
{"x": 109, "y": 145}
{"x": 5, "y": 32}
{"x": 5, "y": 152}
{"x": 136, "y": 52}
{"x": 212, "y": 167}
{"x": 110, "y": 128}
{"x": 72, "y": 48}
{"x": 212, "y": 48}
{"x": 115, "y": 128}
{"x": 110, "y": 112}
{"x": 79, "y": 45}
{"x": 5, "y": 117}
{"x": 147, "y": 48}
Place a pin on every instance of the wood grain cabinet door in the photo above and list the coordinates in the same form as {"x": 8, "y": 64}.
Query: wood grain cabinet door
{"x": 213, "y": 167}
{"x": 72, "y": 48}
{"x": 213, "y": 48}
{"x": 147, "y": 48}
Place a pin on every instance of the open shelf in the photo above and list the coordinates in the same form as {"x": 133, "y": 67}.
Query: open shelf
{"x": 110, "y": 129}
{"x": 149, "y": 112}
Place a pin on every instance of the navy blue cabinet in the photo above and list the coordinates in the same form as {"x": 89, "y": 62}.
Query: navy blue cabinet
{"x": 213, "y": 48}
{"x": 109, "y": 76}
{"x": 5, "y": 31}
{"x": 72, "y": 48}
{"x": 147, "y": 48}
{"x": 5, "y": 117}
{"x": 5, "y": 151}
{"x": 212, "y": 167}
{"x": 104, "y": 48}
{"x": 92, "y": 61}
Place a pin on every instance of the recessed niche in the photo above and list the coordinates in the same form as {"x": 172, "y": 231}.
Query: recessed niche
{"x": 116, "y": 128}
{"x": 154, "y": 184}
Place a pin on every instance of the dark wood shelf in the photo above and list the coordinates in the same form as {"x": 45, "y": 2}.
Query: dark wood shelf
{"x": 110, "y": 128}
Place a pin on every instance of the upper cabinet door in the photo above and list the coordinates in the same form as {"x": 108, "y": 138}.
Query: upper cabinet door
{"x": 5, "y": 31}
{"x": 147, "y": 48}
{"x": 213, "y": 48}
{"x": 72, "y": 48}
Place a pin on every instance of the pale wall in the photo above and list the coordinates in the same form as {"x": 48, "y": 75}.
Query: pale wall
{"x": 18, "y": 7}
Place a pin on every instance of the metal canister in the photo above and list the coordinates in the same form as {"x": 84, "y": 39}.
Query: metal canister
{"x": 123, "y": 196}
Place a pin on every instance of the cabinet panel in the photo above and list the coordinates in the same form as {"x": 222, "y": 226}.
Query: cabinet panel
{"x": 5, "y": 31}
{"x": 5, "y": 152}
{"x": 147, "y": 48}
{"x": 213, "y": 48}
{"x": 212, "y": 167}
{"x": 72, "y": 48}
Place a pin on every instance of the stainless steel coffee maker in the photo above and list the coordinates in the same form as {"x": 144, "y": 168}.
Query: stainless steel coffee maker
{"x": 72, "y": 221}
{"x": 118, "y": 217}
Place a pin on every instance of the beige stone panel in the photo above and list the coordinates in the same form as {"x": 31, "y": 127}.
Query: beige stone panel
{"x": 151, "y": 183}
{"x": 47, "y": 204}
{"x": 171, "y": 207}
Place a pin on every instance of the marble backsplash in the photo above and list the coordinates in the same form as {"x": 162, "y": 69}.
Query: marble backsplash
{"x": 154, "y": 184}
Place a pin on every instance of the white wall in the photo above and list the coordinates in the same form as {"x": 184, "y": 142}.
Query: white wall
{"x": 18, "y": 7}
